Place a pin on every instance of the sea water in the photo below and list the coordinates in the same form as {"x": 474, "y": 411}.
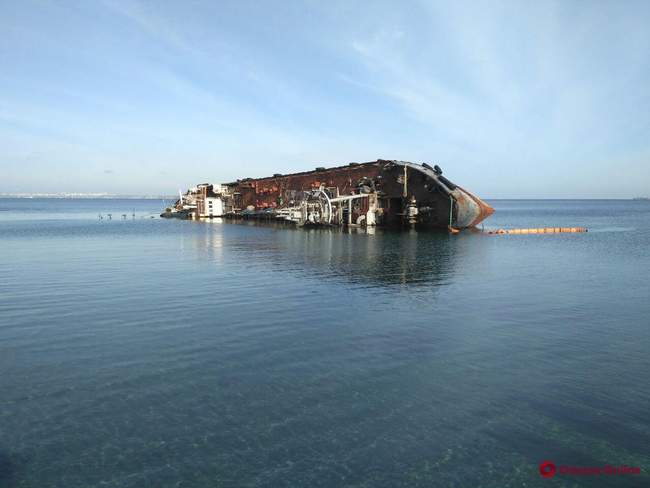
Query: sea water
{"x": 142, "y": 352}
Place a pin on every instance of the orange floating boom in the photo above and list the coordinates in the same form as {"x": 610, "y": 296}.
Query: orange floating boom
{"x": 542, "y": 230}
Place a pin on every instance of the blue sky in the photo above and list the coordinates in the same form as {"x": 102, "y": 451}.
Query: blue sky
{"x": 520, "y": 99}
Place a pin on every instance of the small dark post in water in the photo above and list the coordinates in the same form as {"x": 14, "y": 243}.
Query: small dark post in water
{"x": 110, "y": 216}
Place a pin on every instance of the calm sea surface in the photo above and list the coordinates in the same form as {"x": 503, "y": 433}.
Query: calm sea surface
{"x": 162, "y": 353}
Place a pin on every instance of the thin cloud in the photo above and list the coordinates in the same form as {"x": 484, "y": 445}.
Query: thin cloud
{"x": 143, "y": 16}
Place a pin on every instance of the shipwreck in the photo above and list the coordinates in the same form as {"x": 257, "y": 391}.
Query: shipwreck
{"x": 380, "y": 193}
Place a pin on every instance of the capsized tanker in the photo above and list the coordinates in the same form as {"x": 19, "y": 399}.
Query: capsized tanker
{"x": 380, "y": 193}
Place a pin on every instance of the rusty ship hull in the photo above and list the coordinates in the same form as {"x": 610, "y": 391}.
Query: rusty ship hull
{"x": 385, "y": 193}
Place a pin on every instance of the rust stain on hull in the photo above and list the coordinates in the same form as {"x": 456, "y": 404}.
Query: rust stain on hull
{"x": 382, "y": 193}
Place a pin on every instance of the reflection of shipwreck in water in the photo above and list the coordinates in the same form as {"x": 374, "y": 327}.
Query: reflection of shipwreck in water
{"x": 415, "y": 258}
{"x": 382, "y": 193}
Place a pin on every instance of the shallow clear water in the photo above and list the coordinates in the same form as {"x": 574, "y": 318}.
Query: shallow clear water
{"x": 162, "y": 353}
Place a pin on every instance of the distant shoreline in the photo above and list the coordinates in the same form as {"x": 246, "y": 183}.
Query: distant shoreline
{"x": 24, "y": 196}
{"x": 8, "y": 196}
